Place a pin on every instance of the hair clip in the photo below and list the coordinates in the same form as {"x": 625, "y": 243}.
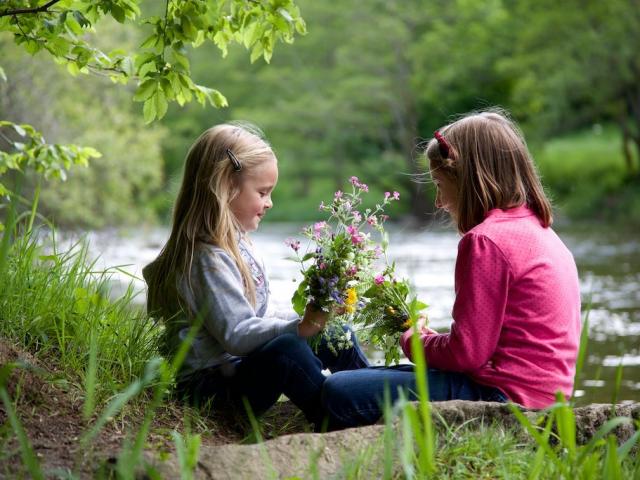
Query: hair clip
{"x": 237, "y": 166}
{"x": 442, "y": 144}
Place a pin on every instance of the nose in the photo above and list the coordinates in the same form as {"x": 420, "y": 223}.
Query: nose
{"x": 269, "y": 203}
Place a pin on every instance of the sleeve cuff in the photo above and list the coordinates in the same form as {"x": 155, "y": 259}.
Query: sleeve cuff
{"x": 405, "y": 342}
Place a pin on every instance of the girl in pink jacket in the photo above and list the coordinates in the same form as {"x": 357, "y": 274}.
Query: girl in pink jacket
{"x": 516, "y": 317}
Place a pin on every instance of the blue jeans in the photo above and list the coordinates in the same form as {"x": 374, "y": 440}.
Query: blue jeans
{"x": 285, "y": 365}
{"x": 356, "y": 398}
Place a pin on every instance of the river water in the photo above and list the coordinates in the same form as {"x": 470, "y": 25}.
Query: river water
{"x": 608, "y": 263}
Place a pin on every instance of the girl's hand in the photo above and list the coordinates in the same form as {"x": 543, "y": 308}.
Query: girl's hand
{"x": 421, "y": 325}
{"x": 312, "y": 322}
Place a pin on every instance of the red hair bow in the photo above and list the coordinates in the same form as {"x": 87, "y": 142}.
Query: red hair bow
{"x": 443, "y": 145}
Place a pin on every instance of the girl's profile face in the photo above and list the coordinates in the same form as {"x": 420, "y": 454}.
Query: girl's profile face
{"x": 446, "y": 192}
{"x": 254, "y": 199}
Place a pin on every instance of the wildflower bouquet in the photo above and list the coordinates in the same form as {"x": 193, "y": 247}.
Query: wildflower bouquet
{"x": 338, "y": 270}
{"x": 389, "y": 309}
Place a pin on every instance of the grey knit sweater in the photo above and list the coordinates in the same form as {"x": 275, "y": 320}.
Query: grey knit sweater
{"x": 231, "y": 327}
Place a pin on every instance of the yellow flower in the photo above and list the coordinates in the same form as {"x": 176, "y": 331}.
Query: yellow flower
{"x": 352, "y": 297}
{"x": 407, "y": 325}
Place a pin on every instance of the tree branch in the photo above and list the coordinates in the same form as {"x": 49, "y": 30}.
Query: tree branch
{"x": 20, "y": 11}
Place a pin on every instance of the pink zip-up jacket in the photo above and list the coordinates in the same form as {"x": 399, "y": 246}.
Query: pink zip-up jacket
{"x": 516, "y": 317}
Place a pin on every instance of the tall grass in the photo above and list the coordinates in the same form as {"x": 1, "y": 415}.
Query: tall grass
{"x": 57, "y": 305}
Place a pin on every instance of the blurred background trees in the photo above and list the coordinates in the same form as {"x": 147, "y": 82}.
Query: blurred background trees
{"x": 356, "y": 96}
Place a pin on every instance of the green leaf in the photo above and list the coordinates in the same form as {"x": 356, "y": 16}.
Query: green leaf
{"x": 140, "y": 60}
{"x": 73, "y": 69}
{"x": 285, "y": 14}
{"x": 299, "y": 302}
{"x": 118, "y": 13}
{"x": 73, "y": 25}
{"x": 161, "y": 104}
{"x": 145, "y": 90}
{"x": 149, "y": 110}
{"x": 19, "y": 130}
{"x": 91, "y": 152}
{"x": 81, "y": 19}
{"x": 218, "y": 99}
{"x": 151, "y": 41}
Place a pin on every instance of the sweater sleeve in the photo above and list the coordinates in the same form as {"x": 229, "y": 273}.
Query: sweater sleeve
{"x": 217, "y": 294}
{"x": 482, "y": 278}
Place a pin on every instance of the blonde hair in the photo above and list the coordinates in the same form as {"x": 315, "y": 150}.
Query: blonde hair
{"x": 487, "y": 158}
{"x": 202, "y": 213}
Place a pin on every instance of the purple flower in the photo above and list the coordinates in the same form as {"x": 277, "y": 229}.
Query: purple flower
{"x": 321, "y": 207}
{"x": 293, "y": 243}
{"x": 354, "y": 181}
{"x": 337, "y": 297}
{"x": 338, "y": 194}
{"x": 356, "y": 216}
{"x": 379, "y": 279}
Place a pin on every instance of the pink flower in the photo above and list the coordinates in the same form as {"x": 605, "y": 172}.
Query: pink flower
{"x": 321, "y": 207}
{"x": 293, "y": 243}
{"x": 396, "y": 196}
{"x": 338, "y": 194}
{"x": 354, "y": 181}
{"x": 352, "y": 270}
{"x": 356, "y": 216}
{"x": 357, "y": 239}
{"x": 387, "y": 195}
{"x": 378, "y": 279}
{"x": 318, "y": 228}
{"x": 322, "y": 266}
{"x": 378, "y": 251}
{"x": 352, "y": 230}
{"x": 373, "y": 221}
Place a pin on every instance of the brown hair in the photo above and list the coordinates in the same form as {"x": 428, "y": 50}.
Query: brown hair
{"x": 490, "y": 164}
{"x": 202, "y": 214}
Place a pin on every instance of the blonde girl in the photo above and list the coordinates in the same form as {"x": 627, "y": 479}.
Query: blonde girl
{"x": 516, "y": 318}
{"x": 207, "y": 274}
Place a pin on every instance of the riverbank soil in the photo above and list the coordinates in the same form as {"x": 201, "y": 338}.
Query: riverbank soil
{"x": 49, "y": 408}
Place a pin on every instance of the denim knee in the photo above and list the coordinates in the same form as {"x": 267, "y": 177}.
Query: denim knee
{"x": 287, "y": 343}
{"x": 336, "y": 394}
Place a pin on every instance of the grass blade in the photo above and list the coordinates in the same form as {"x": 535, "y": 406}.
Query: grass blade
{"x": 26, "y": 451}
